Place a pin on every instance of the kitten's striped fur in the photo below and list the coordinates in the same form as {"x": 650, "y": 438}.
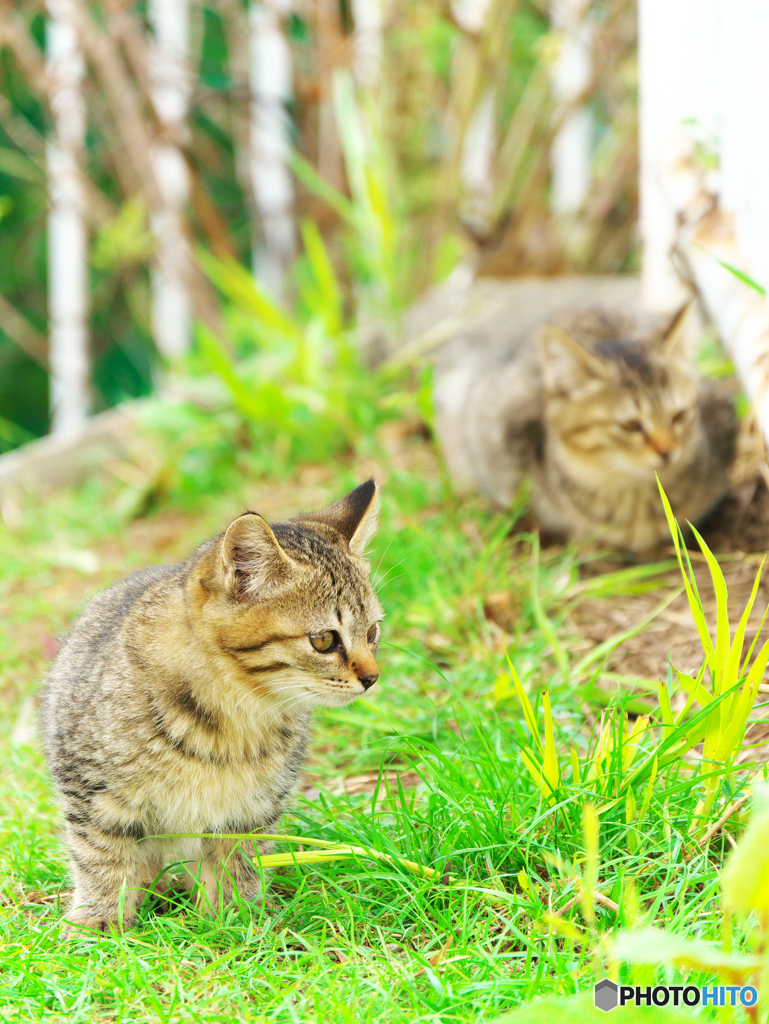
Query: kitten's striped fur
{"x": 180, "y": 702}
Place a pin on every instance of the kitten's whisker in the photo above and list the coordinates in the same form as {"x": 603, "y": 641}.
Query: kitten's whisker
{"x": 291, "y": 700}
{"x": 392, "y": 568}
{"x": 392, "y": 579}
{"x": 381, "y": 557}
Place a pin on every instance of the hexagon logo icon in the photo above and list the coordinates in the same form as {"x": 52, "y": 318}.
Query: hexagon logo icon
{"x": 605, "y": 995}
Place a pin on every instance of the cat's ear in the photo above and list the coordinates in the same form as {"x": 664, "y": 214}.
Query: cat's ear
{"x": 354, "y": 516}
{"x": 566, "y": 363}
{"x": 254, "y": 563}
{"x": 680, "y": 337}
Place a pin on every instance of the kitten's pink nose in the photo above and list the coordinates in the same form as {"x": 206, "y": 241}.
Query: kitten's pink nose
{"x": 368, "y": 681}
{"x": 662, "y": 441}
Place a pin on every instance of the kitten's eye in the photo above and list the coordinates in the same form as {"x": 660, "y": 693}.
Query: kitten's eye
{"x": 632, "y": 426}
{"x": 324, "y": 641}
{"x": 679, "y": 417}
{"x": 372, "y": 634}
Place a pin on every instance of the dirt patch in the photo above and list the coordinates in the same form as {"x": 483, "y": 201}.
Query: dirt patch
{"x": 672, "y": 635}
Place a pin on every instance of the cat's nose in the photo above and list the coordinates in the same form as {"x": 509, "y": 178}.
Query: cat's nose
{"x": 368, "y": 681}
{"x": 663, "y": 442}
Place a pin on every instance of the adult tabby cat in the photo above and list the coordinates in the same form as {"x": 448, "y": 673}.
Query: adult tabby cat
{"x": 588, "y": 405}
{"x": 181, "y": 700}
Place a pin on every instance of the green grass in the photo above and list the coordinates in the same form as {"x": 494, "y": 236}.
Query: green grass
{"x": 364, "y": 939}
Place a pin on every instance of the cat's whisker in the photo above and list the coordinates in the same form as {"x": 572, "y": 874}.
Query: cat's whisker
{"x": 391, "y": 580}
{"x": 273, "y": 709}
{"x": 382, "y": 556}
{"x": 392, "y": 568}
{"x": 292, "y": 700}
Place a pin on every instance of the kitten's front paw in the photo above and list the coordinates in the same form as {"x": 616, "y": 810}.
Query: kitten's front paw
{"x": 80, "y": 924}
{"x": 210, "y": 902}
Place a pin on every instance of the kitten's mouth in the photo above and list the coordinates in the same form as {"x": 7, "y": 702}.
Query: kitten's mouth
{"x": 336, "y": 697}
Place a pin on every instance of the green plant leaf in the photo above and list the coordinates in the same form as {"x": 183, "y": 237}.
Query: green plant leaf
{"x": 722, "y": 613}
{"x": 550, "y": 761}
{"x": 313, "y": 181}
{"x": 528, "y": 710}
{"x": 656, "y": 946}
{"x": 231, "y": 278}
{"x": 690, "y": 585}
{"x": 582, "y": 1009}
{"x": 329, "y": 294}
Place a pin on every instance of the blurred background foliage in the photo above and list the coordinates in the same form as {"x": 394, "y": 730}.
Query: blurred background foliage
{"x": 374, "y": 234}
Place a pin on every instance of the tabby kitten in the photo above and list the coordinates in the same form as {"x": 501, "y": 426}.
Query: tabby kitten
{"x": 589, "y": 407}
{"x": 181, "y": 701}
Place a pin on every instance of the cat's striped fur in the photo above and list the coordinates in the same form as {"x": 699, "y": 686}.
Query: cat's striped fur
{"x": 589, "y": 406}
{"x": 181, "y": 700}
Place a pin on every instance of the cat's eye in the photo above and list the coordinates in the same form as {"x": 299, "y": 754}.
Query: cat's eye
{"x": 372, "y": 634}
{"x": 324, "y": 641}
{"x": 632, "y": 426}
{"x": 678, "y": 417}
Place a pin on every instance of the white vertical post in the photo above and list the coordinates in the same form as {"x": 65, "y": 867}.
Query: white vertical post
{"x": 479, "y": 143}
{"x": 470, "y": 15}
{"x": 718, "y": 82}
{"x": 745, "y": 116}
{"x": 271, "y": 77}
{"x": 758, "y": 46}
{"x": 67, "y": 240}
{"x": 478, "y": 149}
{"x": 367, "y": 41}
{"x": 663, "y": 41}
{"x": 171, "y": 306}
{"x": 570, "y": 154}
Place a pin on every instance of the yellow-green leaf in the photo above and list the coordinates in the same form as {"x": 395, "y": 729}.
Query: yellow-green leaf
{"x": 501, "y": 688}
{"x": 745, "y": 879}
{"x": 630, "y": 746}
{"x": 733, "y": 662}
{"x": 694, "y": 687}
{"x": 649, "y": 790}
{"x": 551, "y": 769}
{"x": 575, "y": 770}
{"x": 694, "y": 604}
{"x": 535, "y": 770}
{"x": 528, "y": 710}
{"x": 722, "y": 613}
{"x": 664, "y": 702}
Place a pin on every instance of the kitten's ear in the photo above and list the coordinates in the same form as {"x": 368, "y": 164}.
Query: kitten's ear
{"x": 680, "y": 338}
{"x": 566, "y": 363}
{"x": 354, "y": 516}
{"x": 254, "y": 562}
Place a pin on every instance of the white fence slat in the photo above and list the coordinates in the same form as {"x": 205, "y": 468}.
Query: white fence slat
{"x": 367, "y": 41}
{"x": 571, "y": 151}
{"x": 705, "y": 61}
{"x": 67, "y": 237}
{"x": 271, "y": 75}
{"x": 663, "y": 27}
